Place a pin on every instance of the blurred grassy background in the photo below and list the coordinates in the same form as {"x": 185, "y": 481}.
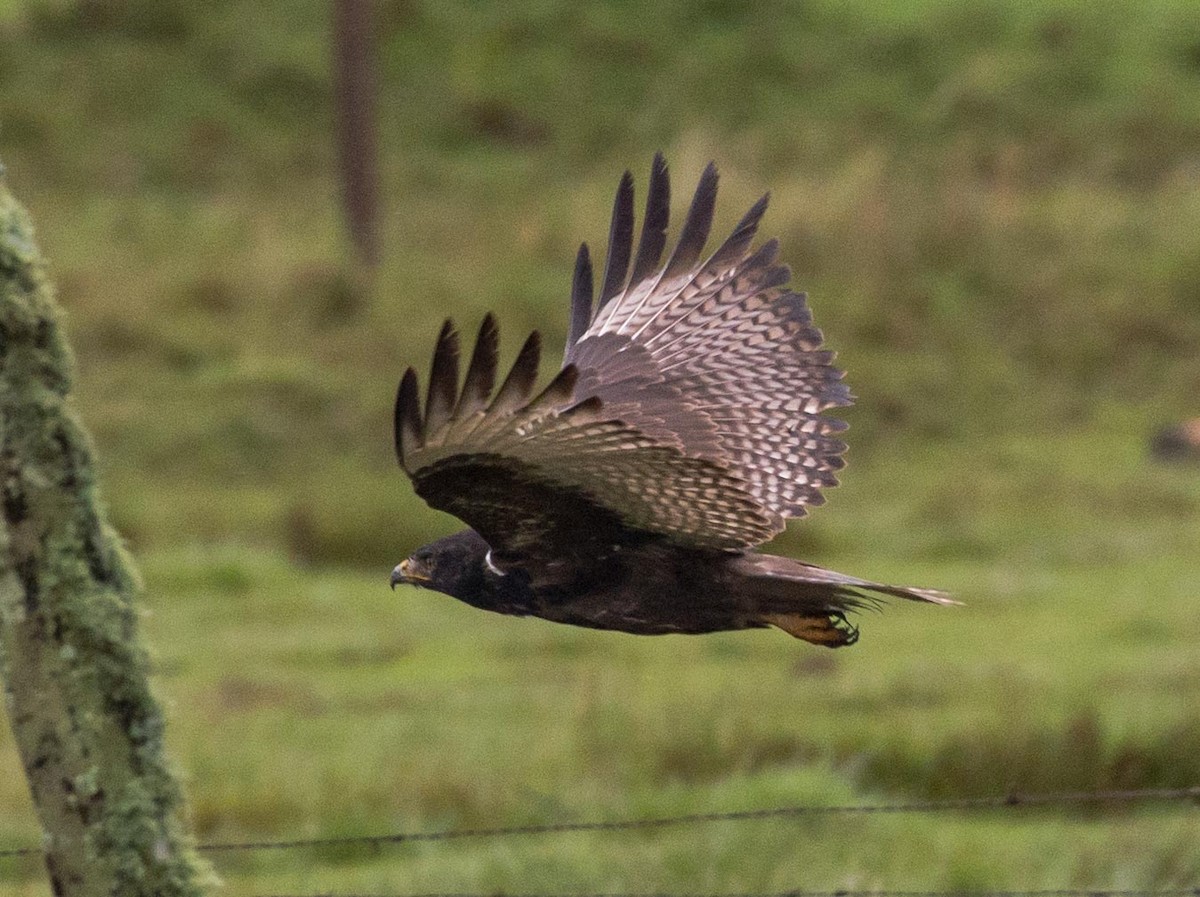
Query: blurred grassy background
{"x": 994, "y": 208}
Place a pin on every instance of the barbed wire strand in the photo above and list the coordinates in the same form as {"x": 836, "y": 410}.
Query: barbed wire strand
{"x": 1051, "y": 892}
{"x": 1009, "y": 801}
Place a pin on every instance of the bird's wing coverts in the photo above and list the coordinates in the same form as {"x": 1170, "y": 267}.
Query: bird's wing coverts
{"x": 689, "y": 404}
{"x": 553, "y": 475}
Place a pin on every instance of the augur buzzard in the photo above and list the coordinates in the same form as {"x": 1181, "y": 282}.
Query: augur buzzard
{"x": 684, "y": 429}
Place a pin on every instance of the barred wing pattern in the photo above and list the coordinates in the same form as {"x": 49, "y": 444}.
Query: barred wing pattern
{"x": 728, "y": 336}
{"x": 688, "y": 406}
{"x": 553, "y": 476}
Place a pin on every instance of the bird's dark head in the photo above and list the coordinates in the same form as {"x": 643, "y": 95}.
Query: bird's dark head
{"x": 452, "y": 565}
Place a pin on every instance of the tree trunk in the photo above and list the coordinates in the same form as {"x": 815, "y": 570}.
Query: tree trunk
{"x": 89, "y": 733}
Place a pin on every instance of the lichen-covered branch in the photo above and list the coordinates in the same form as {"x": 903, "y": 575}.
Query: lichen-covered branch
{"x": 87, "y": 727}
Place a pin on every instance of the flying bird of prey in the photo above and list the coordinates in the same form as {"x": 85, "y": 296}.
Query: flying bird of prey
{"x": 683, "y": 430}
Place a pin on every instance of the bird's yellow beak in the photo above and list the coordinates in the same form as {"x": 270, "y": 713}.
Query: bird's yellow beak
{"x": 410, "y": 571}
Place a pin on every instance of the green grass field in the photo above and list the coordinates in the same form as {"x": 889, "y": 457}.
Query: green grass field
{"x": 994, "y": 208}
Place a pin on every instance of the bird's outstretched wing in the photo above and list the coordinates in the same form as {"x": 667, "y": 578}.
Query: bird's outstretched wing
{"x": 727, "y": 334}
{"x": 689, "y": 405}
{"x": 553, "y": 476}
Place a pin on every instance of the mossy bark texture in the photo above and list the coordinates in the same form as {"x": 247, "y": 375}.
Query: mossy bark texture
{"x": 89, "y": 732}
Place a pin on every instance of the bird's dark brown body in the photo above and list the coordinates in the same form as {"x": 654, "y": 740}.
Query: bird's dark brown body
{"x": 685, "y": 427}
{"x": 636, "y": 589}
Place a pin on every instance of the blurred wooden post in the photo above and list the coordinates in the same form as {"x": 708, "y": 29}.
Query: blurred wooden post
{"x": 87, "y": 728}
{"x": 354, "y": 110}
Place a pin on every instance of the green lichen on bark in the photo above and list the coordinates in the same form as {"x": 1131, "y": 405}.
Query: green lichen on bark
{"x": 89, "y": 731}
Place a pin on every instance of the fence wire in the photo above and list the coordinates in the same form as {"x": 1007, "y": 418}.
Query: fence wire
{"x": 1003, "y": 802}
{"x": 1052, "y": 892}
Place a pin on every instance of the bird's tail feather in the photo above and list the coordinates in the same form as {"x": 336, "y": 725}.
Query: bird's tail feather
{"x": 811, "y": 603}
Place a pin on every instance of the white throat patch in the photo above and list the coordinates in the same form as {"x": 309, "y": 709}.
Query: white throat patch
{"x": 487, "y": 559}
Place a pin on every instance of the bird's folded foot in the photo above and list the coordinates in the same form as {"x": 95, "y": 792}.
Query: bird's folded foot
{"x": 832, "y": 630}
